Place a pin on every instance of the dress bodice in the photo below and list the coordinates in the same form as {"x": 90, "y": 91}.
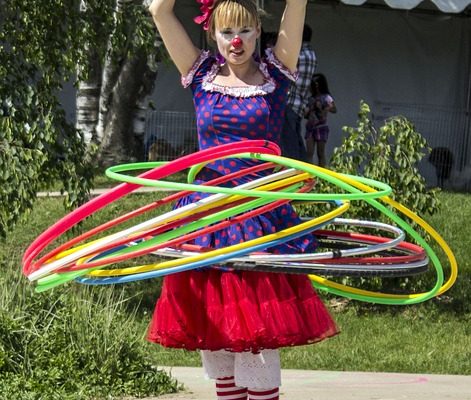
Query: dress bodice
{"x": 228, "y": 114}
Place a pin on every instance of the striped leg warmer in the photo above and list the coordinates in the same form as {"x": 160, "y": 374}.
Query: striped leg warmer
{"x": 227, "y": 390}
{"x": 264, "y": 394}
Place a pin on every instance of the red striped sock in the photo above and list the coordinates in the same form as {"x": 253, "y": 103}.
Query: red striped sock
{"x": 227, "y": 390}
{"x": 264, "y": 394}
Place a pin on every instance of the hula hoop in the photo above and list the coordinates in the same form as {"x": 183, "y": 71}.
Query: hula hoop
{"x": 413, "y": 252}
{"x": 114, "y": 173}
{"x": 343, "y": 254}
{"x": 351, "y": 184}
{"x": 409, "y": 251}
{"x": 215, "y": 256}
{"x": 414, "y": 262}
{"x": 73, "y": 218}
{"x": 395, "y": 269}
{"x": 72, "y": 255}
{"x": 384, "y": 298}
{"x": 338, "y": 270}
{"x": 357, "y": 188}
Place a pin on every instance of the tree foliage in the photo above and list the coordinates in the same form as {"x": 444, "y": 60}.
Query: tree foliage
{"x": 390, "y": 154}
{"x": 116, "y": 76}
{"x": 43, "y": 45}
{"x": 38, "y": 52}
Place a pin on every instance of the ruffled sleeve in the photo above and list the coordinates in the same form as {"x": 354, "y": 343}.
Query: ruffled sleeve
{"x": 272, "y": 61}
{"x": 199, "y": 69}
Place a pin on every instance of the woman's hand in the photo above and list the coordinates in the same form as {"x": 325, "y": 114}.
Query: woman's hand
{"x": 332, "y": 108}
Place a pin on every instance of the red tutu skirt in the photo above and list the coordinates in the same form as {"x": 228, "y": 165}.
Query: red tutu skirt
{"x": 213, "y": 309}
{"x": 238, "y": 311}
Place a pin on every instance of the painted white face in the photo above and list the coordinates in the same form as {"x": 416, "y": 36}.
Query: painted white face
{"x": 237, "y": 45}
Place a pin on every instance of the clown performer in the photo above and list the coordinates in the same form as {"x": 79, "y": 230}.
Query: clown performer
{"x": 238, "y": 319}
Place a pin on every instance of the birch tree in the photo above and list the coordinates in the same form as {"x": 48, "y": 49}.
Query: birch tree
{"x": 117, "y": 77}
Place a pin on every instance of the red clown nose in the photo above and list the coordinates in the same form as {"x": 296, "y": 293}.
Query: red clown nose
{"x": 236, "y": 42}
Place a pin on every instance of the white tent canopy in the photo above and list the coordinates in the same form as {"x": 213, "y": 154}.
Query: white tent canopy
{"x": 447, "y": 6}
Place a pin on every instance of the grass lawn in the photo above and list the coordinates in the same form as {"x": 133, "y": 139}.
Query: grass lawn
{"x": 434, "y": 337}
{"x": 409, "y": 341}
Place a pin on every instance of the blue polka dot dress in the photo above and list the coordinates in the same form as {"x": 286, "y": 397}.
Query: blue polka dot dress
{"x": 216, "y": 309}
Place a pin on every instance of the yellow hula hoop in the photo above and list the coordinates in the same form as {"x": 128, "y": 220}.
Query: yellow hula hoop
{"x": 322, "y": 282}
{"x": 441, "y": 242}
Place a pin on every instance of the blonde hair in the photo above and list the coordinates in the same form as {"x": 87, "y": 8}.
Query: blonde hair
{"x": 234, "y": 13}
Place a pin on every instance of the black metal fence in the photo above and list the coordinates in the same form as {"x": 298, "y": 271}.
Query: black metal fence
{"x": 172, "y": 134}
{"x": 169, "y": 135}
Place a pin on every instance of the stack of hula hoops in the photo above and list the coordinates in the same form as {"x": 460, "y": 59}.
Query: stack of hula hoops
{"x": 96, "y": 257}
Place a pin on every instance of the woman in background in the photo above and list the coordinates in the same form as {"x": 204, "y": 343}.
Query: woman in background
{"x": 320, "y": 104}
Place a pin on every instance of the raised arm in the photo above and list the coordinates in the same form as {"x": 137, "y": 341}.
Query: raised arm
{"x": 290, "y": 35}
{"x": 179, "y": 45}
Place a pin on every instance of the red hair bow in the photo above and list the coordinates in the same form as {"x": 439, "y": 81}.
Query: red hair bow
{"x": 206, "y": 11}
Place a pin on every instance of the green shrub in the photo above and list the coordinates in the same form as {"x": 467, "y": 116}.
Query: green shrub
{"x": 389, "y": 154}
{"x": 72, "y": 343}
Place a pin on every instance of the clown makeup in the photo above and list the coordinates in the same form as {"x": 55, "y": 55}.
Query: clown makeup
{"x": 237, "y": 44}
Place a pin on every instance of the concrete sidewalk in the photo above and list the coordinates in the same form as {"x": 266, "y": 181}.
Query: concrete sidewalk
{"x": 324, "y": 385}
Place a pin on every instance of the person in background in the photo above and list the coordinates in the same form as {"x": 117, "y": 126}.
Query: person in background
{"x": 267, "y": 40}
{"x": 442, "y": 159}
{"x": 292, "y": 144}
{"x": 320, "y": 104}
{"x": 238, "y": 319}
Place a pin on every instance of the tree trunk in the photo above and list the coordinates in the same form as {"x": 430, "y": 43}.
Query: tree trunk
{"x": 124, "y": 129}
{"x": 112, "y": 102}
{"x": 88, "y": 97}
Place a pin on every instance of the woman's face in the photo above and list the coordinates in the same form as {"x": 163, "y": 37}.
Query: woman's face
{"x": 237, "y": 44}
